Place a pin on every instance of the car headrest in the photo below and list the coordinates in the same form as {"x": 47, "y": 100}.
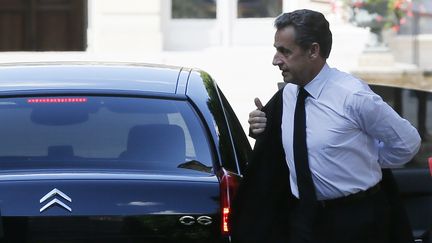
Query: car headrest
{"x": 156, "y": 142}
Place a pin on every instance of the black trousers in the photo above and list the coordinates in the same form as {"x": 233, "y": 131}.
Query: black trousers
{"x": 362, "y": 220}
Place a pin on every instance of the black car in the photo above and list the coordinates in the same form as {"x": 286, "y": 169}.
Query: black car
{"x": 103, "y": 152}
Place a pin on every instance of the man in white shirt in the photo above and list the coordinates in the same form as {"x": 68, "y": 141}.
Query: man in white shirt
{"x": 349, "y": 135}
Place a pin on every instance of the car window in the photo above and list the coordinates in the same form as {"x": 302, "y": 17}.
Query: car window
{"x": 102, "y": 133}
{"x": 416, "y": 107}
{"x": 241, "y": 143}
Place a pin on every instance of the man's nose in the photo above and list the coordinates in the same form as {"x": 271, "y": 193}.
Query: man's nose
{"x": 276, "y": 60}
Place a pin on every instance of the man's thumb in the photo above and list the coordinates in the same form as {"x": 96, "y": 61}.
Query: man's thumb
{"x": 258, "y": 103}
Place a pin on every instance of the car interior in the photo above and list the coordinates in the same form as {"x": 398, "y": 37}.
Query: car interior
{"x": 156, "y": 143}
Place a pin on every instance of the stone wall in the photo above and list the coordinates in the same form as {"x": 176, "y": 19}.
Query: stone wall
{"x": 404, "y": 47}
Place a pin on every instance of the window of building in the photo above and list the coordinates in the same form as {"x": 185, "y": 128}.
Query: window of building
{"x": 193, "y": 9}
{"x": 259, "y": 8}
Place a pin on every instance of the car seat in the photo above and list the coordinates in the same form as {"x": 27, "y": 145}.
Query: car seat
{"x": 156, "y": 142}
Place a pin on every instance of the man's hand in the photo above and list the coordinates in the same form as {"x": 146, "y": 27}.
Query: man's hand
{"x": 257, "y": 119}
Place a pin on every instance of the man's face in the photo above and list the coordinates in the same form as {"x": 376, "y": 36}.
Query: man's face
{"x": 291, "y": 59}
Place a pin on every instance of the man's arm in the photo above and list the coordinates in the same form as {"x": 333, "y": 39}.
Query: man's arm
{"x": 398, "y": 140}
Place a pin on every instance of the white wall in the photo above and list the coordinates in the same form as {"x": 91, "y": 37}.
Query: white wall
{"x": 406, "y": 43}
{"x": 137, "y": 26}
{"x": 124, "y": 26}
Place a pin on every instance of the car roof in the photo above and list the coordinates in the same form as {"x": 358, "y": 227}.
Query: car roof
{"x": 92, "y": 76}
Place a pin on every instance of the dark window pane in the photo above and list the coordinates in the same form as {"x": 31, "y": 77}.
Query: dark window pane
{"x": 193, "y": 9}
{"x": 259, "y": 8}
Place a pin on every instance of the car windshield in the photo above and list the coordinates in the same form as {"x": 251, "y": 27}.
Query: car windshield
{"x": 102, "y": 133}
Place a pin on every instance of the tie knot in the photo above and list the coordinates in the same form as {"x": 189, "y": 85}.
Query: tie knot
{"x": 302, "y": 93}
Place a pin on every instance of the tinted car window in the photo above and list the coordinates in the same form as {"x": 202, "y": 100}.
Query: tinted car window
{"x": 102, "y": 133}
{"x": 241, "y": 143}
{"x": 416, "y": 107}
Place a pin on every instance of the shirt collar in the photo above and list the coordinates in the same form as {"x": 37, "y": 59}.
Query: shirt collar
{"x": 315, "y": 86}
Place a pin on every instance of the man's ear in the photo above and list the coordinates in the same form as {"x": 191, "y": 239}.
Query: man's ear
{"x": 314, "y": 50}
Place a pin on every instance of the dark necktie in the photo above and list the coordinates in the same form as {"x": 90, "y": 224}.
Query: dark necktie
{"x": 304, "y": 178}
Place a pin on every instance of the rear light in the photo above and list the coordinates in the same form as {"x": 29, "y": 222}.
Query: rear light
{"x": 57, "y": 100}
{"x": 229, "y": 183}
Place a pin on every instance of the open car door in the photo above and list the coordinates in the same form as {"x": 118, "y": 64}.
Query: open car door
{"x": 415, "y": 178}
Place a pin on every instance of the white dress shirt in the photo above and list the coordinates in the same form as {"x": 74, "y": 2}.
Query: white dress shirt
{"x": 351, "y": 134}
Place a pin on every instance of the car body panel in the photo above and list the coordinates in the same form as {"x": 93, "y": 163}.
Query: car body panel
{"x": 110, "y": 196}
{"x": 85, "y": 76}
{"x": 149, "y": 228}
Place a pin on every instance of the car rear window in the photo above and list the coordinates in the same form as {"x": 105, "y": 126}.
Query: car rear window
{"x": 102, "y": 133}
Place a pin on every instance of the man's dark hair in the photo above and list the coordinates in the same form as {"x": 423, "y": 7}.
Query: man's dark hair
{"x": 310, "y": 26}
